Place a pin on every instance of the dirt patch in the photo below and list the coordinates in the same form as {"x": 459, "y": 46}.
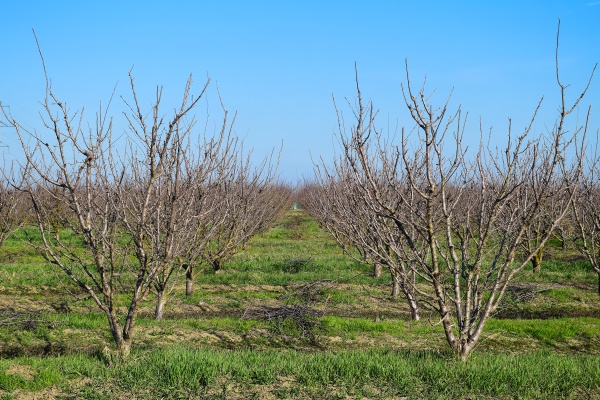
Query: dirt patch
{"x": 14, "y": 302}
{"x": 26, "y": 372}
{"x": 50, "y": 393}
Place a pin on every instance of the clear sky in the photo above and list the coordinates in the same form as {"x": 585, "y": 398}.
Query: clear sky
{"x": 277, "y": 63}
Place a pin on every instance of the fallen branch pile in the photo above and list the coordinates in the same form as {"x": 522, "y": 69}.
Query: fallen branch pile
{"x": 303, "y": 317}
{"x": 27, "y": 320}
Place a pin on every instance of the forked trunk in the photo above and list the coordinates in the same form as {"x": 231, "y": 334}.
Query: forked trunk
{"x": 121, "y": 337}
{"x": 462, "y": 347}
{"x": 464, "y": 340}
{"x": 465, "y": 352}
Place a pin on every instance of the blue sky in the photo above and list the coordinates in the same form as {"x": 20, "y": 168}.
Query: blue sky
{"x": 277, "y": 63}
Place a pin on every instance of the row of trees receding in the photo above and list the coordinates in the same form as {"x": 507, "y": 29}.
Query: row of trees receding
{"x": 453, "y": 226}
{"x": 126, "y": 219}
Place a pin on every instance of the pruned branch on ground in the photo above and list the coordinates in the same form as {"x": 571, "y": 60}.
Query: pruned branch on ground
{"x": 310, "y": 293}
{"x": 27, "y": 320}
{"x": 303, "y": 317}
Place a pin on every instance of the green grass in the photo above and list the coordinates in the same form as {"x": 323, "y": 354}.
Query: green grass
{"x": 34, "y": 373}
{"x": 179, "y": 372}
{"x": 551, "y": 332}
{"x": 355, "y": 326}
{"x": 545, "y": 345}
{"x": 91, "y": 320}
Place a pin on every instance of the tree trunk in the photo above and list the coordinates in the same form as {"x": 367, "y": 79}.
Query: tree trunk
{"x": 461, "y": 345}
{"x": 161, "y": 299}
{"x": 598, "y": 282}
{"x": 124, "y": 348}
{"x": 377, "y": 270}
{"x": 408, "y": 289}
{"x": 536, "y": 260}
{"x": 467, "y": 344}
{"x": 465, "y": 352}
{"x": 395, "y": 285}
{"x": 216, "y": 265}
{"x": 189, "y": 281}
{"x": 400, "y": 283}
{"x": 115, "y": 327}
{"x": 122, "y": 337}
{"x": 414, "y": 309}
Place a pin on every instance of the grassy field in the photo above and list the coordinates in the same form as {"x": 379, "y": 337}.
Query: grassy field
{"x": 348, "y": 339}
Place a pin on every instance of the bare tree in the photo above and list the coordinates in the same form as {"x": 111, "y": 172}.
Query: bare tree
{"x": 185, "y": 216}
{"x": 460, "y": 219}
{"x": 586, "y": 214}
{"x": 230, "y": 201}
{"x": 343, "y": 207}
{"x": 13, "y": 204}
{"x": 539, "y": 229}
{"x": 250, "y": 208}
{"x": 130, "y": 210}
{"x": 251, "y": 201}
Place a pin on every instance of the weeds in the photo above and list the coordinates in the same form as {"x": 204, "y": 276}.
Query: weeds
{"x": 298, "y": 290}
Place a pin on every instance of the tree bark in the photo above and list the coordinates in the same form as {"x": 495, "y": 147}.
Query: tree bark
{"x": 189, "y": 281}
{"x": 121, "y": 337}
{"x": 124, "y": 349}
{"x": 414, "y": 308}
{"x": 465, "y": 351}
{"x": 161, "y": 299}
{"x": 216, "y": 265}
{"x": 115, "y": 327}
{"x": 377, "y": 270}
{"x": 536, "y": 260}
{"x": 395, "y": 285}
